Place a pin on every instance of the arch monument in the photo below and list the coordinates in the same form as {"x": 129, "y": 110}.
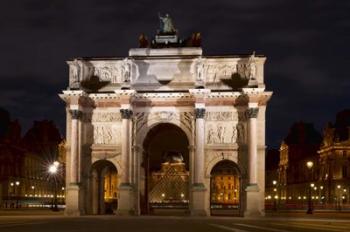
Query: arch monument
{"x": 203, "y": 109}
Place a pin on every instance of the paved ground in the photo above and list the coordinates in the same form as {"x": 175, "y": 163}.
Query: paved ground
{"x": 53, "y": 223}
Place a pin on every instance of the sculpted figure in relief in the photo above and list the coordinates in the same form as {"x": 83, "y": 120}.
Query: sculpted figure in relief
{"x": 234, "y": 134}
{"x": 104, "y": 134}
{"x": 200, "y": 70}
{"x": 74, "y": 72}
{"x": 240, "y": 134}
{"x": 126, "y": 70}
{"x": 221, "y": 133}
{"x": 251, "y": 67}
{"x": 211, "y": 136}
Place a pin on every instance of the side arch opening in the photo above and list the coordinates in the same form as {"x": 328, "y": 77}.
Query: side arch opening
{"x": 104, "y": 187}
{"x": 225, "y": 189}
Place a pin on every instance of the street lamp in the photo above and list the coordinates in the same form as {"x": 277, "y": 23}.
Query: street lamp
{"x": 53, "y": 169}
{"x": 16, "y": 192}
{"x": 274, "y": 183}
{"x": 309, "y": 165}
{"x": 339, "y": 197}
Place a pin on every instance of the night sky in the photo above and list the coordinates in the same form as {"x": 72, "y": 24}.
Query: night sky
{"x": 306, "y": 44}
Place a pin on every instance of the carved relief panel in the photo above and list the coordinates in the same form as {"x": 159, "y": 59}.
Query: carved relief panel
{"x": 108, "y": 72}
{"x": 107, "y": 127}
{"x": 221, "y": 127}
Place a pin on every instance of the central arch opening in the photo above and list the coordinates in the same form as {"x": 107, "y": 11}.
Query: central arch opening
{"x": 165, "y": 171}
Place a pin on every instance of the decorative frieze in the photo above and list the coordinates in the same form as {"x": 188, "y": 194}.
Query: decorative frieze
{"x": 221, "y": 116}
{"x": 106, "y": 117}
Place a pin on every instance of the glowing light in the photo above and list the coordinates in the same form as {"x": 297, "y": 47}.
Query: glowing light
{"x": 339, "y": 186}
{"x": 309, "y": 164}
{"x": 17, "y": 183}
{"x": 274, "y": 182}
{"x": 312, "y": 185}
{"x": 53, "y": 169}
{"x": 12, "y": 184}
{"x": 33, "y": 187}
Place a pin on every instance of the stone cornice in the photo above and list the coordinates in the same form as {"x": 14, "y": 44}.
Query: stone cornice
{"x": 164, "y": 99}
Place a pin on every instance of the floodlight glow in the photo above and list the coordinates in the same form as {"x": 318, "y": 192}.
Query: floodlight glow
{"x": 309, "y": 164}
{"x": 53, "y": 169}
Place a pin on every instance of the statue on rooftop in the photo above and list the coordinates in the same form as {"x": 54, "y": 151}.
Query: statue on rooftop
{"x": 166, "y": 25}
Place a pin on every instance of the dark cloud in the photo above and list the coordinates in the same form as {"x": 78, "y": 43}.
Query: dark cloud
{"x": 306, "y": 43}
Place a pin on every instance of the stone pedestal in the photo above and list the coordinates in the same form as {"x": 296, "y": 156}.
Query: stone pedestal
{"x": 253, "y": 208}
{"x": 72, "y": 200}
{"x": 125, "y": 201}
{"x": 198, "y": 200}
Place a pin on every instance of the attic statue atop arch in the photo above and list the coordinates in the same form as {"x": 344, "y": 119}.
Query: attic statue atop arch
{"x": 167, "y": 36}
{"x": 166, "y": 25}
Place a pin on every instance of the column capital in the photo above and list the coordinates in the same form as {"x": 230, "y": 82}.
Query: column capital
{"x": 252, "y": 112}
{"x": 76, "y": 114}
{"x": 200, "y": 112}
{"x": 126, "y": 113}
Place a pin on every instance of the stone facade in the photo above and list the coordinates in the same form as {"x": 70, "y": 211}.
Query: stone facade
{"x": 112, "y": 105}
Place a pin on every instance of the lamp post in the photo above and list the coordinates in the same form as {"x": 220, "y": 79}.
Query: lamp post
{"x": 309, "y": 165}
{"x": 53, "y": 169}
{"x": 339, "y": 197}
{"x": 16, "y": 192}
{"x": 274, "y": 183}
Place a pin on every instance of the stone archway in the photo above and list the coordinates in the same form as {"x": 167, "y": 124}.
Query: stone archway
{"x": 226, "y": 189}
{"x": 165, "y": 175}
{"x": 104, "y": 187}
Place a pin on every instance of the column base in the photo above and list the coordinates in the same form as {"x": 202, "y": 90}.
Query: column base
{"x": 198, "y": 200}
{"x": 72, "y": 200}
{"x": 125, "y": 201}
{"x": 254, "y": 206}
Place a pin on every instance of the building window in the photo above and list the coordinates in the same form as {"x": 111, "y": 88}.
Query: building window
{"x": 345, "y": 171}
